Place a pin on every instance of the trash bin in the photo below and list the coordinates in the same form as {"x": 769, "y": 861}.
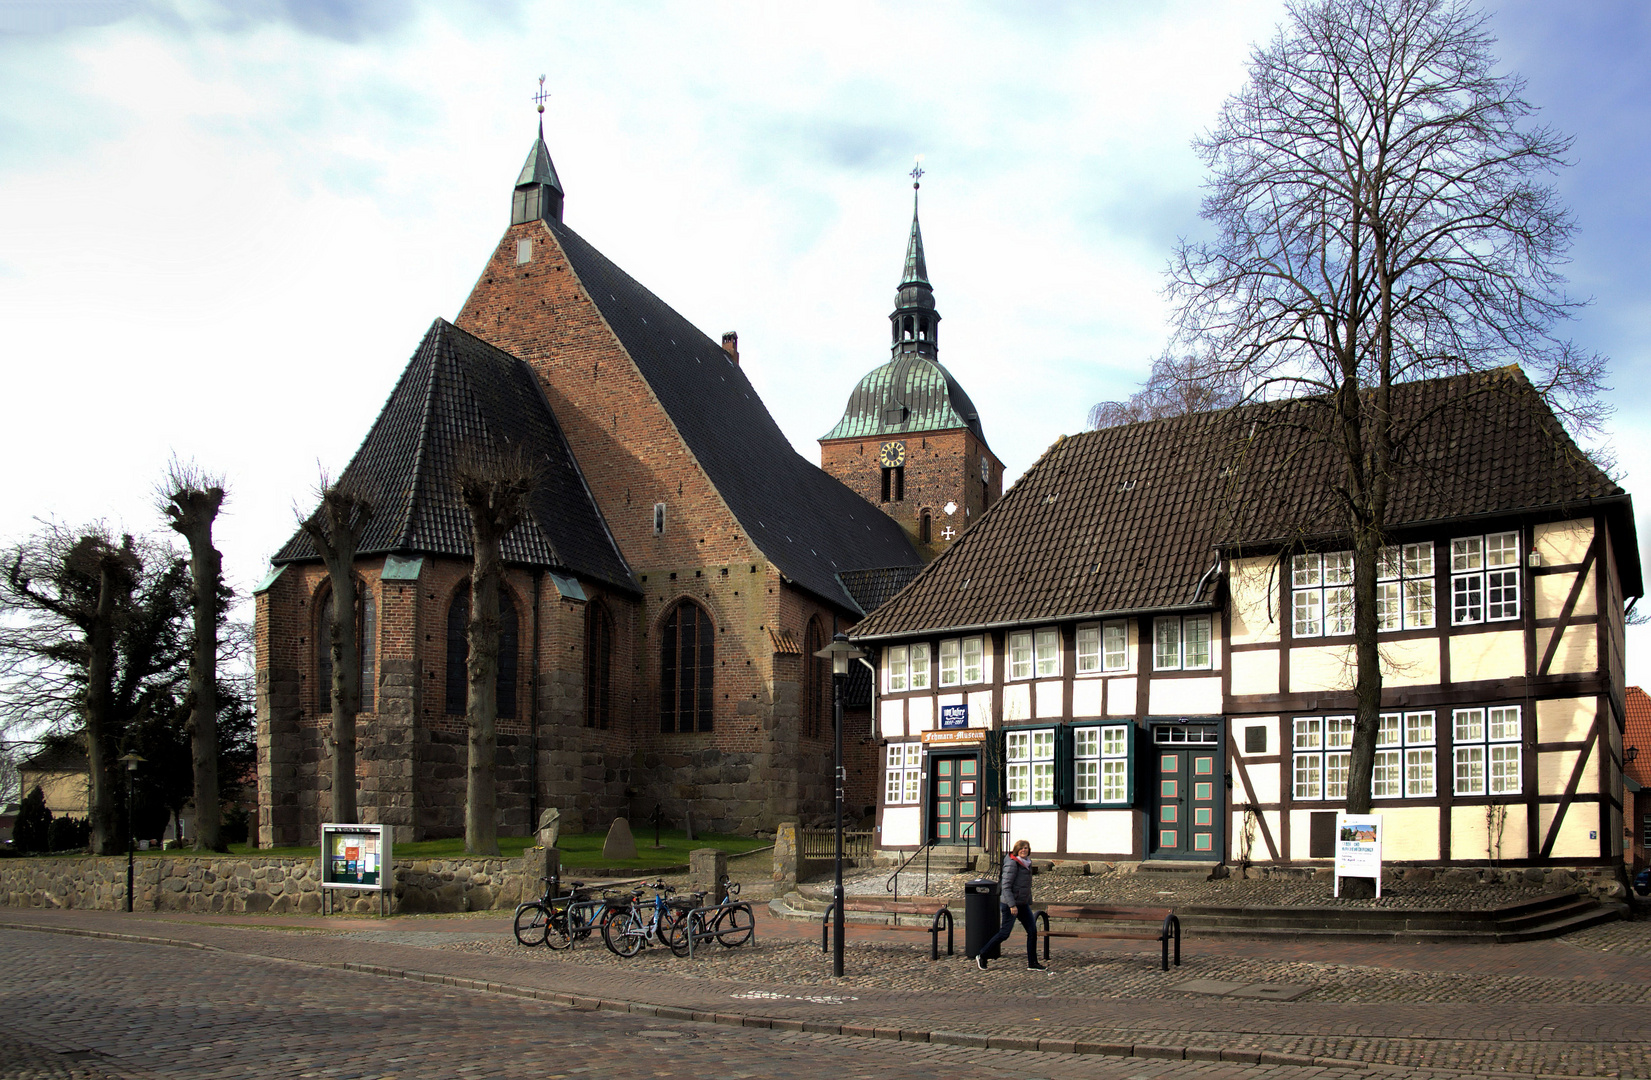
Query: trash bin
{"x": 981, "y": 916}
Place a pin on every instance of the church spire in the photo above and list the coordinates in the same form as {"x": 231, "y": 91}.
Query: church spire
{"x": 915, "y": 320}
{"x": 538, "y": 194}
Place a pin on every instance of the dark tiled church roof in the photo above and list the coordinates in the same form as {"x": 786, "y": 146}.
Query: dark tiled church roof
{"x": 808, "y": 524}
{"x": 872, "y": 588}
{"x": 1131, "y": 518}
{"x": 456, "y": 392}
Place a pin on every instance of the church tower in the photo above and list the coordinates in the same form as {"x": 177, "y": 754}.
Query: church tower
{"x": 910, "y": 440}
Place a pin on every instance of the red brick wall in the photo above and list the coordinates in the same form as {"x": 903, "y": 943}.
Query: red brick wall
{"x": 940, "y": 467}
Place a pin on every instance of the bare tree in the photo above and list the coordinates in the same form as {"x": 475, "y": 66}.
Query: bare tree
{"x": 80, "y": 586}
{"x": 1384, "y": 212}
{"x": 495, "y": 490}
{"x": 335, "y": 528}
{"x": 190, "y": 501}
{"x": 1176, "y": 386}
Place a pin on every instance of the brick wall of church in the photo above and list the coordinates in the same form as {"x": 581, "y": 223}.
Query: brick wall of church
{"x": 940, "y": 467}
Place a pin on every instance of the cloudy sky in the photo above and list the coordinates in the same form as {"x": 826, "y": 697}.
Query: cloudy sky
{"x": 225, "y": 226}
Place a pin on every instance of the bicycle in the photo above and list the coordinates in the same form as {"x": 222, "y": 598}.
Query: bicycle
{"x": 730, "y": 922}
{"x": 627, "y": 930}
{"x": 579, "y": 919}
{"x": 536, "y": 918}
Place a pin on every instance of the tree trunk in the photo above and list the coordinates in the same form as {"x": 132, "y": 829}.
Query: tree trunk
{"x": 192, "y": 511}
{"x": 481, "y": 817}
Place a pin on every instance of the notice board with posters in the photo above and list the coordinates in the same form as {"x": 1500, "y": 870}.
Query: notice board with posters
{"x": 355, "y": 857}
{"x": 1359, "y": 848}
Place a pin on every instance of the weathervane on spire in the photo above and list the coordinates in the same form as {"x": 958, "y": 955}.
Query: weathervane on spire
{"x": 542, "y": 94}
{"x": 917, "y": 173}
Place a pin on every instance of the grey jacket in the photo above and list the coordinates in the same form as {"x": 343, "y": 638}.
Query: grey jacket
{"x": 1016, "y": 883}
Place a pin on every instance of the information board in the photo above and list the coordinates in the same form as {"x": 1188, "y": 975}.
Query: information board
{"x": 355, "y": 857}
{"x": 1359, "y": 848}
{"x": 954, "y": 717}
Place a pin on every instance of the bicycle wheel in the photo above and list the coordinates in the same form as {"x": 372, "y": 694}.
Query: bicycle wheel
{"x": 532, "y": 923}
{"x": 559, "y": 934}
{"x": 623, "y": 933}
{"x": 734, "y": 926}
{"x": 673, "y": 930}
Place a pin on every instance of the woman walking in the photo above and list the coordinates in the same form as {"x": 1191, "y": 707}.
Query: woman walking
{"x": 1015, "y": 899}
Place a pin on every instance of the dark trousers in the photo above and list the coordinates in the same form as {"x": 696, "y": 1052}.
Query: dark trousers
{"x": 1023, "y": 912}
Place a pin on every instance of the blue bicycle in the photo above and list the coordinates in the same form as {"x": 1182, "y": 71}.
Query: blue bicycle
{"x": 630, "y": 927}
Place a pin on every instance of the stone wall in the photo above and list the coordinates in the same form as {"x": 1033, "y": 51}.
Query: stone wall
{"x": 260, "y": 885}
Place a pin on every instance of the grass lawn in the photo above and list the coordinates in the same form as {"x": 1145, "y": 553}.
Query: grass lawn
{"x": 583, "y": 851}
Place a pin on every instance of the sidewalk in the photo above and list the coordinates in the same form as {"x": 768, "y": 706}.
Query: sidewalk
{"x": 1564, "y": 1007}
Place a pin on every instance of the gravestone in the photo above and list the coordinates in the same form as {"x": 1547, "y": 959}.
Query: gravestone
{"x": 550, "y": 827}
{"x": 620, "y": 844}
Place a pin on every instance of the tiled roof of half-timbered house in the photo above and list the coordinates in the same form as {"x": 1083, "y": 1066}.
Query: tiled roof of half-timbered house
{"x": 459, "y": 394}
{"x": 1133, "y": 518}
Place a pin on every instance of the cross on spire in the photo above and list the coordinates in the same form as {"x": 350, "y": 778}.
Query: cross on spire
{"x": 542, "y": 95}
{"x": 916, "y": 173}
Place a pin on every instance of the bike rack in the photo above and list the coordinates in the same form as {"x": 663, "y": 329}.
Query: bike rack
{"x": 710, "y": 935}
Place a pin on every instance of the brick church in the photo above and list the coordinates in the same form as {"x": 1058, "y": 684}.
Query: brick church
{"x": 677, "y": 568}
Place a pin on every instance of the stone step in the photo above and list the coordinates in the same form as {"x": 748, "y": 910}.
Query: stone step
{"x": 1178, "y": 871}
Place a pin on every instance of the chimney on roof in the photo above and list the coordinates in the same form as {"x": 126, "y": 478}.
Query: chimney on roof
{"x": 731, "y": 346}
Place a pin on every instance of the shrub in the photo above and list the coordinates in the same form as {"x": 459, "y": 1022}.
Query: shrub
{"x": 32, "y": 831}
{"x": 67, "y": 833}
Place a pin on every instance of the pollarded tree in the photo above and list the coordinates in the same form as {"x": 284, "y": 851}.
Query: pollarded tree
{"x": 495, "y": 489}
{"x": 1384, "y": 212}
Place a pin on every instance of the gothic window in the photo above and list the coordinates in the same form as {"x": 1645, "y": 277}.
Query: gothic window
{"x": 598, "y": 664}
{"x": 894, "y": 484}
{"x": 925, "y": 528}
{"x": 366, "y": 625}
{"x": 816, "y": 677}
{"x": 687, "y": 656}
{"x": 458, "y": 653}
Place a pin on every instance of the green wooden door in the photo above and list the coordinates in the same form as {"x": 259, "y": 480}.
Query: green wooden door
{"x": 954, "y": 799}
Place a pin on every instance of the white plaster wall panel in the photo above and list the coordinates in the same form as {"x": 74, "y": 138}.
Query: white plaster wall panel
{"x": 1256, "y": 844}
{"x": 1184, "y": 697}
{"x": 1562, "y": 543}
{"x": 980, "y": 709}
{"x": 1578, "y": 650}
{"x": 1573, "y": 841}
{"x": 1565, "y": 720}
{"x": 1240, "y": 791}
{"x": 920, "y": 714}
{"x": 1120, "y": 697}
{"x": 1269, "y": 724}
{"x": 1552, "y": 590}
{"x": 1255, "y": 672}
{"x": 1553, "y": 772}
{"x": 1274, "y": 820}
{"x": 1086, "y": 697}
{"x": 1409, "y": 832}
{"x": 1017, "y": 702}
{"x": 1265, "y": 781}
{"x": 1321, "y": 667}
{"x": 1050, "y": 697}
{"x": 1253, "y": 585}
{"x": 951, "y": 699}
{"x": 1471, "y": 832}
{"x": 901, "y": 826}
{"x": 1411, "y": 662}
{"x": 892, "y": 718}
{"x": 1496, "y": 654}
{"x": 1040, "y": 828}
{"x": 1107, "y": 833}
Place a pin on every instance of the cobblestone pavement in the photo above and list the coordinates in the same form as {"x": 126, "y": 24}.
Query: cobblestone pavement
{"x": 1551, "y": 1008}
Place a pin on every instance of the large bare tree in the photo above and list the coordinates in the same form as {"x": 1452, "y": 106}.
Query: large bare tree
{"x": 1176, "y": 386}
{"x": 1384, "y": 211}
{"x": 190, "y": 500}
{"x": 335, "y": 528}
{"x": 495, "y": 490}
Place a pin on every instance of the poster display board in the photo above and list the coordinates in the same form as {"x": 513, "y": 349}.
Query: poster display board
{"x": 355, "y": 857}
{"x": 1359, "y": 848}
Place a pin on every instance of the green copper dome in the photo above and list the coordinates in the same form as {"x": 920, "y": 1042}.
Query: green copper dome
{"x": 909, "y": 394}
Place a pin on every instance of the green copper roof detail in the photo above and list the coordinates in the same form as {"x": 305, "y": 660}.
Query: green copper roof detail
{"x": 917, "y": 270}
{"x": 906, "y": 396}
{"x": 538, "y": 168}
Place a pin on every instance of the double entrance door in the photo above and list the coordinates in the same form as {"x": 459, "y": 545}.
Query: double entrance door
{"x": 955, "y": 798}
{"x": 1186, "y": 804}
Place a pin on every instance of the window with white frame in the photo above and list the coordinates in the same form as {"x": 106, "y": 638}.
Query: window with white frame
{"x": 902, "y": 781}
{"x": 960, "y": 661}
{"x": 1181, "y": 643}
{"x": 899, "y": 665}
{"x": 1046, "y": 646}
{"x": 974, "y": 663}
{"x": 1020, "y": 655}
{"x": 1486, "y": 749}
{"x": 919, "y": 679}
{"x": 1321, "y": 594}
{"x": 1100, "y": 764}
{"x": 1484, "y": 578}
{"x": 1089, "y": 650}
{"x": 1404, "y": 587}
{"x": 1405, "y": 756}
{"x": 1103, "y": 648}
{"x": 1030, "y": 758}
{"x": 1322, "y": 747}
{"x": 951, "y": 673}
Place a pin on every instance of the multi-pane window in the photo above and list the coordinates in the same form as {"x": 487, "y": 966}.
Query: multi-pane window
{"x": 1103, "y": 648}
{"x": 1486, "y": 749}
{"x": 1405, "y": 752}
{"x": 1047, "y": 650}
{"x": 1100, "y": 764}
{"x": 1404, "y": 587}
{"x": 1089, "y": 650}
{"x": 1030, "y": 757}
{"x": 687, "y": 666}
{"x": 902, "y": 780}
{"x": 1484, "y": 578}
{"x": 920, "y": 666}
{"x": 960, "y": 661}
{"x": 908, "y": 667}
{"x": 1020, "y": 655}
{"x": 1321, "y": 594}
{"x": 899, "y": 668}
{"x": 1322, "y": 748}
{"x": 1181, "y": 643}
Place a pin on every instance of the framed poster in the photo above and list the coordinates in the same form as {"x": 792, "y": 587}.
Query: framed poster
{"x": 1359, "y": 848}
{"x": 355, "y": 857}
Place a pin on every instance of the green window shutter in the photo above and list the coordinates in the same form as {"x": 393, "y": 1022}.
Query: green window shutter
{"x": 991, "y": 770}
{"x": 1065, "y": 788}
{"x": 1130, "y": 750}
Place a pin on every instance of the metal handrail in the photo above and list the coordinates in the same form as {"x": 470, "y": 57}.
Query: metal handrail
{"x": 893, "y": 882}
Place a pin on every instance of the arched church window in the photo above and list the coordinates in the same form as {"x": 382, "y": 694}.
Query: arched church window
{"x": 816, "y": 677}
{"x": 925, "y": 527}
{"x": 366, "y": 625}
{"x": 906, "y": 328}
{"x": 923, "y": 329}
{"x": 598, "y": 664}
{"x": 458, "y": 653}
{"x": 687, "y": 657}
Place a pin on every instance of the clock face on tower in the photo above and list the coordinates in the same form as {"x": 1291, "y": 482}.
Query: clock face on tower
{"x": 892, "y": 455}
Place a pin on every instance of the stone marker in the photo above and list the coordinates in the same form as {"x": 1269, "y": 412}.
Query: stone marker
{"x": 550, "y": 827}
{"x": 706, "y": 869}
{"x": 620, "y": 844}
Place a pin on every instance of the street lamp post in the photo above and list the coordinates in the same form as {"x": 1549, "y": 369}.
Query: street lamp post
{"x": 840, "y": 653}
{"x": 131, "y": 761}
